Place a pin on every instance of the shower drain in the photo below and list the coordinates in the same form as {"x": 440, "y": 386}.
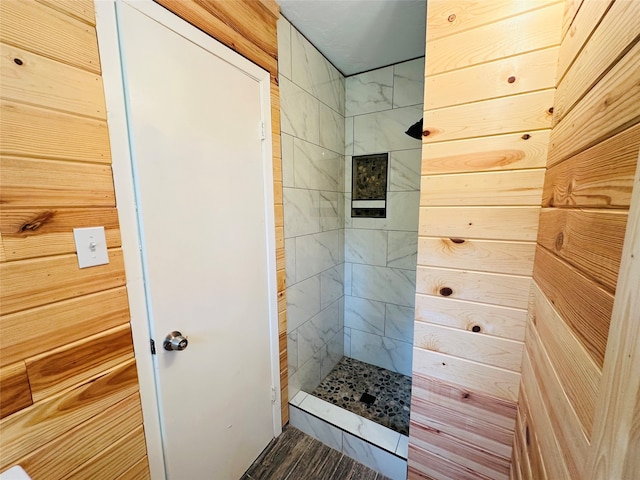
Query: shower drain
{"x": 367, "y": 398}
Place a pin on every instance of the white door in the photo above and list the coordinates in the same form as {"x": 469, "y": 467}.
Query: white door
{"x": 203, "y": 196}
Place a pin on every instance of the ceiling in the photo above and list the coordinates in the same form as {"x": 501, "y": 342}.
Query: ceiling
{"x": 361, "y": 35}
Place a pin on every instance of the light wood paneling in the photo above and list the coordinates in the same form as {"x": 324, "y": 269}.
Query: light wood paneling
{"x": 249, "y": 40}
{"x": 590, "y": 240}
{"x": 56, "y": 370}
{"x": 61, "y": 456}
{"x": 469, "y": 345}
{"x": 523, "y": 187}
{"x": 567, "y": 427}
{"x": 425, "y": 465}
{"x": 30, "y": 233}
{"x": 580, "y": 27}
{"x": 528, "y": 111}
{"x": 527, "y": 436}
{"x": 55, "y": 184}
{"x": 500, "y": 78}
{"x": 609, "y": 107}
{"x": 492, "y": 288}
{"x": 140, "y": 471}
{"x": 35, "y": 80}
{"x": 492, "y": 320}
{"x": 501, "y": 152}
{"x": 540, "y": 422}
{"x": 601, "y": 176}
{"x": 618, "y": 29}
{"x": 31, "y": 283}
{"x": 495, "y": 440}
{"x": 462, "y": 427}
{"x": 576, "y": 370}
{"x": 115, "y": 460}
{"x": 592, "y": 160}
{"x": 33, "y": 26}
{"x": 67, "y": 328}
{"x": 446, "y": 18}
{"x": 80, "y": 9}
{"x": 463, "y": 403}
{"x": 571, "y": 7}
{"x": 489, "y": 89}
{"x": 34, "y": 426}
{"x": 476, "y": 377}
{"x": 481, "y": 255}
{"x": 512, "y": 35}
{"x": 15, "y": 393}
{"x": 584, "y": 305}
{"x": 498, "y": 223}
{"x": 616, "y": 437}
{"x": 473, "y": 458}
{"x": 60, "y": 136}
{"x": 30, "y": 332}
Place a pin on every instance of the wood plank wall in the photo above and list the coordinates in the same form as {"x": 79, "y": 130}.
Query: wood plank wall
{"x": 249, "y": 28}
{"x": 68, "y": 384}
{"x": 588, "y": 186}
{"x": 489, "y": 89}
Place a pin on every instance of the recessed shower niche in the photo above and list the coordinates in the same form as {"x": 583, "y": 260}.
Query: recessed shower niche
{"x": 369, "y": 185}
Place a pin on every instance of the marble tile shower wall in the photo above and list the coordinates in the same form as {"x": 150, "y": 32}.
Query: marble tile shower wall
{"x": 380, "y": 254}
{"x": 312, "y": 106}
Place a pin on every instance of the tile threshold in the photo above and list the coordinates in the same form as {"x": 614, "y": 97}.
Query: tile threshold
{"x": 363, "y": 428}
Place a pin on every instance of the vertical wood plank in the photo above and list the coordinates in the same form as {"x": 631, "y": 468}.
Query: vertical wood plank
{"x": 15, "y": 393}
{"x": 584, "y": 305}
{"x": 616, "y": 437}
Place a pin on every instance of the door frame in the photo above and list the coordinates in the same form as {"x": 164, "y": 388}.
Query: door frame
{"x": 125, "y": 192}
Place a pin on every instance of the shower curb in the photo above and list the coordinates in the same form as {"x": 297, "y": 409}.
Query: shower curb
{"x": 367, "y": 442}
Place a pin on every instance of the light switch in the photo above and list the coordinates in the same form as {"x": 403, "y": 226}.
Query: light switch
{"x": 91, "y": 246}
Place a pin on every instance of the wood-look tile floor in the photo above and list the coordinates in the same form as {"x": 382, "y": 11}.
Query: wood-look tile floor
{"x": 297, "y": 456}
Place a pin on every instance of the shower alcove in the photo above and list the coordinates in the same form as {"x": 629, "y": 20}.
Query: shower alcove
{"x": 350, "y": 280}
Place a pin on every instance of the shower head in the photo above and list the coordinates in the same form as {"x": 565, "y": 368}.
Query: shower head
{"x": 415, "y": 130}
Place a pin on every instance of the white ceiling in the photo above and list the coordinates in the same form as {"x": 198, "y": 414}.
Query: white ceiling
{"x": 361, "y": 35}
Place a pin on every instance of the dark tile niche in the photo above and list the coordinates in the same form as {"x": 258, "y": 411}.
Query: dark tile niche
{"x": 369, "y": 185}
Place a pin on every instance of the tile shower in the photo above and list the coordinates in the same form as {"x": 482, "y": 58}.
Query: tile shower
{"x": 350, "y": 281}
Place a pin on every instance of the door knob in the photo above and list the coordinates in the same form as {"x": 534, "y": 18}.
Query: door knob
{"x": 175, "y": 341}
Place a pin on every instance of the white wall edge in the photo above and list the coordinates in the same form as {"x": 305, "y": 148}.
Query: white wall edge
{"x": 107, "y": 30}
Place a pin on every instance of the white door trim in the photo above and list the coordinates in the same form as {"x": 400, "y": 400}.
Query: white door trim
{"x": 112, "y": 75}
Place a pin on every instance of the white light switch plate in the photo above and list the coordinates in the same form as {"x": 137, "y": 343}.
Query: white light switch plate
{"x": 91, "y": 246}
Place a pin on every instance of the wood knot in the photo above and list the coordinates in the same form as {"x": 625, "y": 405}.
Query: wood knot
{"x": 36, "y": 222}
{"x": 426, "y": 133}
{"x": 559, "y": 241}
{"x": 17, "y": 61}
{"x": 445, "y": 291}
{"x": 451, "y": 17}
{"x": 526, "y": 136}
{"x": 511, "y": 79}
{"x": 550, "y": 110}
{"x": 466, "y": 395}
{"x": 457, "y": 240}
{"x": 476, "y": 328}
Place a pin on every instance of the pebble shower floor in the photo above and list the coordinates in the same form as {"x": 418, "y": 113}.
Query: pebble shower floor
{"x": 372, "y": 392}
